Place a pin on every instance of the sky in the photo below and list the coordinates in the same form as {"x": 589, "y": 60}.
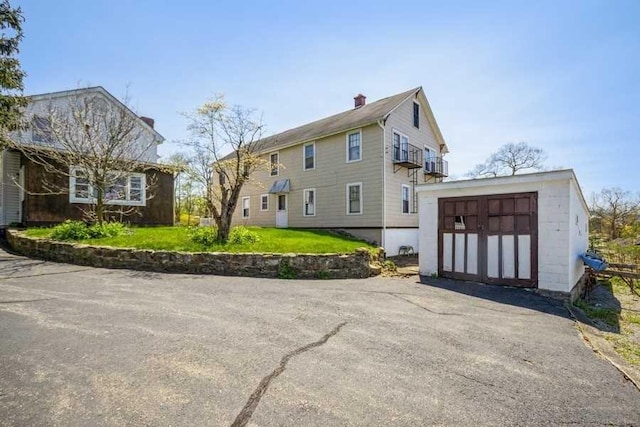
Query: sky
{"x": 560, "y": 75}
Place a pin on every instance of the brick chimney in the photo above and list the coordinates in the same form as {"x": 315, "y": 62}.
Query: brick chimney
{"x": 360, "y": 100}
{"x": 148, "y": 120}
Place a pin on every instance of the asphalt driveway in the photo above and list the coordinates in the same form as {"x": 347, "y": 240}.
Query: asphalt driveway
{"x": 84, "y": 346}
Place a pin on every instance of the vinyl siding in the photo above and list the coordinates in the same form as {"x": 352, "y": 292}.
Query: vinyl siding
{"x": 147, "y": 150}
{"x": 401, "y": 119}
{"x": 10, "y": 191}
{"x": 330, "y": 177}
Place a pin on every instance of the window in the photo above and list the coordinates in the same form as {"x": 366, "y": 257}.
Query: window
{"x": 400, "y": 147}
{"x": 429, "y": 159}
{"x": 42, "y": 130}
{"x": 309, "y": 156}
{"x": 354, "y": 152}
{"x": 264, "y": 202}
{"x": 309, "y": 202}
{"x": 245, "y": 207}
{"x": 275, "y": 164}
{"x": 405, "y": 199}
{"x": 126, "y": 189}
{"x": 354, "y": 199}
{"x": 416, "y": 114}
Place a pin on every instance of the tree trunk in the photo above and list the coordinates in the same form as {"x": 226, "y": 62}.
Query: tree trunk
{"x": 100, "y": 208}
{"x": 224, "y": 228}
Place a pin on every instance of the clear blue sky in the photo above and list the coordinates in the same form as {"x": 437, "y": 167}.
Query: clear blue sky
{"x": 561, "y": 75}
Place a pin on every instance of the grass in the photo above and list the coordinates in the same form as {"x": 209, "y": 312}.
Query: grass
{"x": 272, "y": 240}
{"x": 627, "y": 342}
{"x": 607, "y": 315}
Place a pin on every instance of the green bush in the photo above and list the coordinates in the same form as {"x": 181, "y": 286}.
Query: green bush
{"x": 78, "y": 230}
{"x": 107, "y": 229}
{"x": 70, "y": 230}
{"x": 206, "y": 236}
{"x": 241, "y": 235}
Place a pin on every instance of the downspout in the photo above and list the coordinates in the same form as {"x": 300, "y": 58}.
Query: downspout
{"x": 381, "y": 123}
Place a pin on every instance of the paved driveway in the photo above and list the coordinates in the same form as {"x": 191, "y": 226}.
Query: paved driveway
{"x": 82, "y": 346}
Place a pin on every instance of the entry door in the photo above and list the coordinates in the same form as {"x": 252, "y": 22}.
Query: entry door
{"x": 282, "y": 215}
{"x": 490, "y": 239}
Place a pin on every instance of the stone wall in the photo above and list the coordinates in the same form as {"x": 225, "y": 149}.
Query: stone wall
{"x": 299, "y": 266}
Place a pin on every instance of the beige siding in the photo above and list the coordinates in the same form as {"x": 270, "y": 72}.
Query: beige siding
{"x": 331, "y": 175}
{"x": 401, "y": 119}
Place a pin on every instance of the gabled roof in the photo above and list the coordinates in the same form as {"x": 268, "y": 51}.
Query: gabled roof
{"x": 351, "y": 119}
{"x": 103, "y": 91}
{"x": 341, "y": 122}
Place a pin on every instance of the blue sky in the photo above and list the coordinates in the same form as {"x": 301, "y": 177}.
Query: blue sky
{"x": 560, "y": 75}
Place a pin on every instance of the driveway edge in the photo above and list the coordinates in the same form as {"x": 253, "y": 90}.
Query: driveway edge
{"x": 601, "y": 346}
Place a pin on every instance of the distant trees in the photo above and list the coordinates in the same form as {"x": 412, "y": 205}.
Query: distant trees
{"x": 509, "y": 160}
{"x": 615, "y": 213}
{"x": 223, "y": 154}
{"x": 12, "y": 102}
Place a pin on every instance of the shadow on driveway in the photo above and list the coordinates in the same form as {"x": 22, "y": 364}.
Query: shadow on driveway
{"x": 501, "y": 294}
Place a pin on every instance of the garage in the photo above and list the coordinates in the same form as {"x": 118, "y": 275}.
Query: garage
{"x": 524, "y": 230}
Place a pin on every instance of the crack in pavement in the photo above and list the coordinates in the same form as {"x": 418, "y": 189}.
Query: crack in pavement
{"x": 422, "y": 307}
{"x": 25, "y": 300}
{"x": 252, "y": 403}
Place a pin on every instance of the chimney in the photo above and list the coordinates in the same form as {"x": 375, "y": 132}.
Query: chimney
{"x": 148, "y": 120}
{"x": 360, "y": 100}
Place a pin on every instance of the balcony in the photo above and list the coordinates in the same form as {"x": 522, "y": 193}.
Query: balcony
{"x": 407, "y": 155}
{"x": 436, "y": 167}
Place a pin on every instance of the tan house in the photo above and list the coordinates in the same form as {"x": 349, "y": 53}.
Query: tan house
{"x": 355, "y": 171}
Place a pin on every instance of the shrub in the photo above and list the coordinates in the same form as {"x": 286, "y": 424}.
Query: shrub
{"x": 78, "y": 230}
{"x": 107, "y": 229}
{"x": 241, "y": 235}
{"x": 206, "y": 236}
{"x": 70, "y": 230}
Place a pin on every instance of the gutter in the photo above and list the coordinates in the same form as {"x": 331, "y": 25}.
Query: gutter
{"x": 381, "y": 123}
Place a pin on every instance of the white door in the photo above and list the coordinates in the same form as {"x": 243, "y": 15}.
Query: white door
{"x": 282, "y": 216}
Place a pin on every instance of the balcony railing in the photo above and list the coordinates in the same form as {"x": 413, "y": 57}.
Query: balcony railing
{"x": 407, "y": 155}
{"x": 436, "y": 166}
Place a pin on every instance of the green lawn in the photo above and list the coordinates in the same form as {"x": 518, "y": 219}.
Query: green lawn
{"x": 272, "y": 240}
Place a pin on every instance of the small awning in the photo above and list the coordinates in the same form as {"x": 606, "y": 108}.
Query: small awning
{"x": 281, "y": 186}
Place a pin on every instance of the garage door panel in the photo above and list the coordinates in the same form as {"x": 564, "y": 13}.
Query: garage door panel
{"x": 524, "y": 257}
{"x": 447, "y": 252}
{"x": 506, "y": 224}
{"x": 508, "y": 256}
{"x": 507, "y": 206}
{"x": 472, "y": 253}
{"x": 493, "y": 267}
{"x": 459, "y": 253}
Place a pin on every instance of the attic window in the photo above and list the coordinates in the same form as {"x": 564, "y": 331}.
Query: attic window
{"x": 416, "y": 115}
{"x": 42, "y": 130}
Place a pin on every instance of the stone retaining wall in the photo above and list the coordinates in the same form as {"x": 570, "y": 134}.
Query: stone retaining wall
{"x": 300, "y": 266}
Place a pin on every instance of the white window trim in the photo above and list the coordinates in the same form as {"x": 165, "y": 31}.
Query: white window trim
{"x": 262, "y": 196}
{"x": 91, "y": 200}
{"x": 304, "y": 158}
{"x": 354, "y": 184}
{"x": 359, "y": 131}
{"x": 304, "y": 199}
{"x": 402, "y": 200}
{"x": 248, "y": 199}
{"x": 401, "y": 135}
{"x": 277, "y": 153}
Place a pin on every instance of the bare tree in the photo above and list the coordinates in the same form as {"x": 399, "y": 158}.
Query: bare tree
{"x": 95, "y": 142}
{"x": 612, "y": 209}
{"x": 509, "y": 160}
{"x": 217, "y": 129}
